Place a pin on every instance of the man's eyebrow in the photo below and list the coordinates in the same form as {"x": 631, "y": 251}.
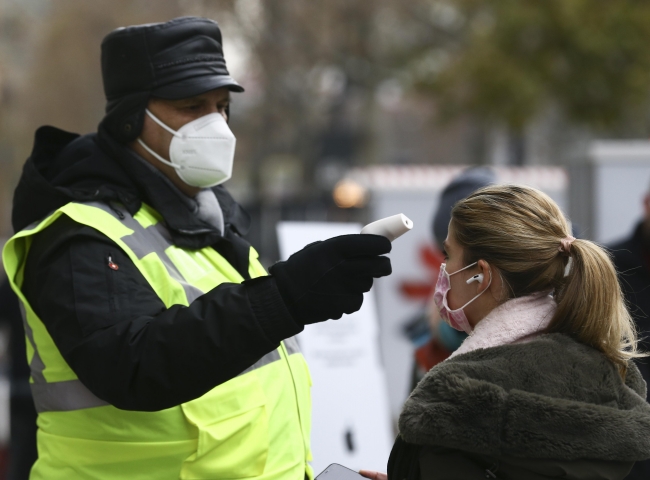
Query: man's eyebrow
{"x": 189, "y": 100}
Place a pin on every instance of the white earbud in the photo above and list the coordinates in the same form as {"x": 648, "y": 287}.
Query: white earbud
{"x": 476, "y": 278}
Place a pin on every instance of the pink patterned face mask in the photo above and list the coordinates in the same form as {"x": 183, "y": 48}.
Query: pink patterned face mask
{"x": 455, "y": 318}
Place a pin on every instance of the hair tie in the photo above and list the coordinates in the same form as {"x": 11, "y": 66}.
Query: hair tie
{"x": 565, "y": 244}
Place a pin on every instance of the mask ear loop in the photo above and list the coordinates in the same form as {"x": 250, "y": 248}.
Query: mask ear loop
{"x": 166, "y": 162}
{"x": 159, "y": 122}
{"x": 478, "y": 295}
{"x": 146, "y": 147}
{"x": 458, "y": 271}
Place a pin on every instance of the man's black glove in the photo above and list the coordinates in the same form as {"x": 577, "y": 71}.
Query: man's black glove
{"x": 326, "y": 279}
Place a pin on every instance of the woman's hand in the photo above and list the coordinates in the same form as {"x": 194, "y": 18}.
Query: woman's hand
{"x": 372, "y": 475}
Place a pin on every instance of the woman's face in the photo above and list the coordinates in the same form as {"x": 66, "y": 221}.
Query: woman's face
{"x": 461, "y": 292}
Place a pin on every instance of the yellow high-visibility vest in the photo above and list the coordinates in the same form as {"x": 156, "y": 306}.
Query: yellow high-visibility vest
{"x": 256, "y": 425}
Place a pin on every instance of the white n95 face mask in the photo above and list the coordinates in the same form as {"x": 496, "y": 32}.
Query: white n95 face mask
{"x": 202, "y": 151}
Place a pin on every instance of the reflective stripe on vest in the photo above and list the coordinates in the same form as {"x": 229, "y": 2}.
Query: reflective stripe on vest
{"x": 58, "y": 396}
{"x": 256, "y": 425}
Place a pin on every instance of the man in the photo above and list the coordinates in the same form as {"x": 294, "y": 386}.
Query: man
{"x": 158, "y": 345}
{"x": 632, "y": 259}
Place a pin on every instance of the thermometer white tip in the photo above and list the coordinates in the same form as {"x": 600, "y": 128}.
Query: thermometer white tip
{"x": 390, "y": 227}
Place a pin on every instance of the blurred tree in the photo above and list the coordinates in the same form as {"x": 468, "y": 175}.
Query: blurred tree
{"x": 507, "y": 60}
{"x": 325, "y": 80}
{"x": 52, "y": 65}
{"x": 64, "y": 84}
{"x": 312, "y": 69}
{"x": 14, "y": 31}
{"x": 312, "y": 59}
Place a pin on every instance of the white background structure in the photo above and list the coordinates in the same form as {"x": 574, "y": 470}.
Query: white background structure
{"x": 350, "y": 414}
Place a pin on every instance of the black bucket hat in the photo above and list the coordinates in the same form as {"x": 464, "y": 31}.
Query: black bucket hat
{"x": 176, "y": 59}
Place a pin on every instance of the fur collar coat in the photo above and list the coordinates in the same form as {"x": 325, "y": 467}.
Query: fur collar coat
{"x": 548, "y": 400}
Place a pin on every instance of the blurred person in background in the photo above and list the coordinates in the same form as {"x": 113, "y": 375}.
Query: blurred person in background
{"x": 632, "y": 259}
{"x": 435, "y": 340}
{"x": 22, "y": 414}
{"x": 545, "y": 386}
{"x": 158, "y": 345}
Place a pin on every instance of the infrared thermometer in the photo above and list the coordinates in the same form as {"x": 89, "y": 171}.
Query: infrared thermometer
{"x": 389, "y": 227}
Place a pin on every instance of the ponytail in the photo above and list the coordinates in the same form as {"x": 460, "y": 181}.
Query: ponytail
{"x": 524, "y": 234}
{"x": 590, "y": 306}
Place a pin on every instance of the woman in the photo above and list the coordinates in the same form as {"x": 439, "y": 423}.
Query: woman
{"x": 544, "y": 386}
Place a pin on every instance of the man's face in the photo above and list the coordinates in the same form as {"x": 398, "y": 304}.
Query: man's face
{"x": 175, "y": 114}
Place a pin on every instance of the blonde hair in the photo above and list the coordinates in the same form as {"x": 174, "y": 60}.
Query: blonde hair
{"x": 519, "y": 230}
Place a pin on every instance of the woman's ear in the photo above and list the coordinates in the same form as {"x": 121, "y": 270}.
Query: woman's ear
{"x": 495, "y": 283}
{"x": 486, "y": 275}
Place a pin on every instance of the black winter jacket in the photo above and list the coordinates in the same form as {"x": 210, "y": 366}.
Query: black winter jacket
{"x": 632, "y": 263}
{"x": 633, "y": 267}
{"x": 550, "y": 408}
{"x": 114, "y": 332}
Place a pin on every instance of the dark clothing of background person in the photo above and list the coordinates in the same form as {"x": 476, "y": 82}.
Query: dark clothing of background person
{"x": 66, "y": 276}
{"x": 22, "y": 446}
{"x": 632, "y": 260}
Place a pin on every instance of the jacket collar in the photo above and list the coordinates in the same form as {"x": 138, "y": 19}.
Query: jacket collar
{"x": 65, "y": 167}
{"x": 518, "y": 319}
